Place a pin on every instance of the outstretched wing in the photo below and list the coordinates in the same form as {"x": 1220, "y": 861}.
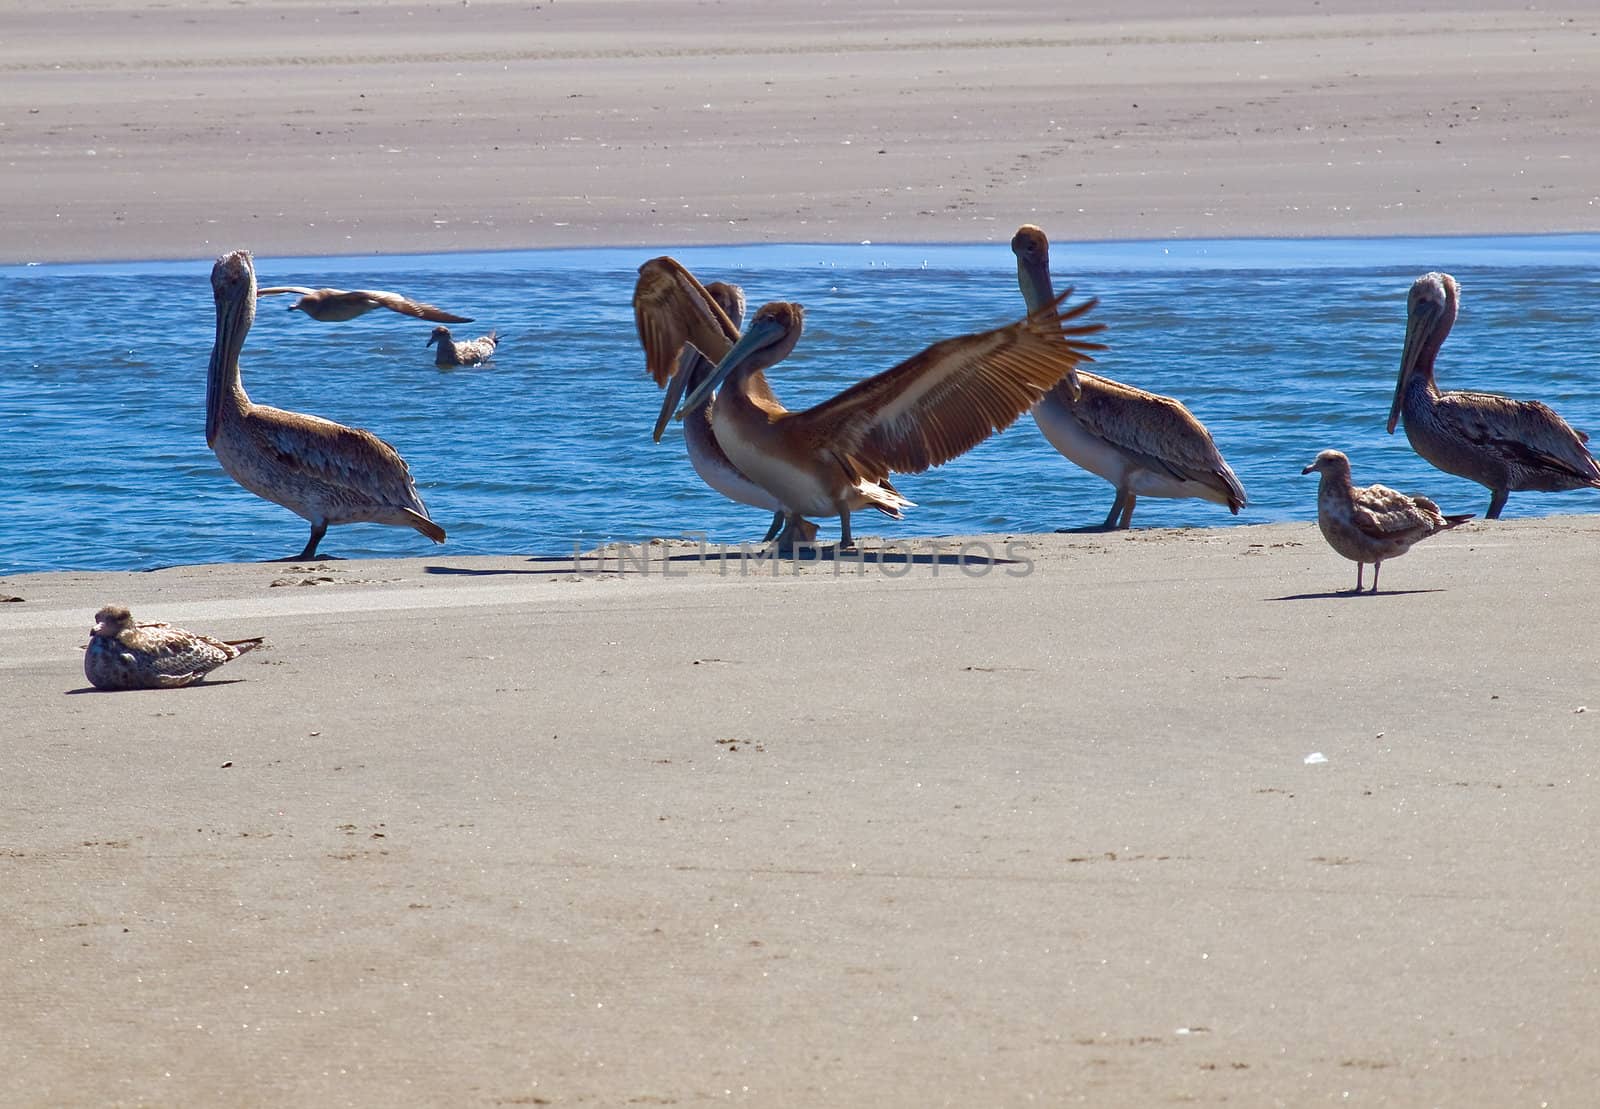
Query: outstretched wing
{"x": 954, "y": 395}
{"x": 408, "y": 307}
{"x": 671, "y": 308}
{"x": 298, "y": 290}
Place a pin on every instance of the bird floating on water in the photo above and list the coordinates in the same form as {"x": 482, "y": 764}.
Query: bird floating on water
{"x": 326, "y": 472}
{"x": 125, "y": 655}
{"x": 1502, "y": 444}
{"x": 927, "y": 410}
{"x": 1375, "y": 523}
{"x": 338, "y": 305}
{"x": 1144, "y": 444}
{"x": 468, "y": 352}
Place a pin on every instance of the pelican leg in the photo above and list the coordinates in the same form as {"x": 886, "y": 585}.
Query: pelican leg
{"x": 1497, "y": 501}
{"x": 318, "y": 530}
{"x": 1127, "y": 512}
{"x": 793, "y": 534}
{"x": 846, "y": 543}
{"x": 778, "y": 520}
{"x": 1116, "y": 510}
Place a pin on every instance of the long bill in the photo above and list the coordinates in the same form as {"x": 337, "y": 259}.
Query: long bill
{"x": 690, "y": 360}
{"x": 1417, "y": 331}
{"x": 762, "y": 333}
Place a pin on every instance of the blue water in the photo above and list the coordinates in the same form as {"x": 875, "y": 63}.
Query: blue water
{"x": 1280, "y": 347}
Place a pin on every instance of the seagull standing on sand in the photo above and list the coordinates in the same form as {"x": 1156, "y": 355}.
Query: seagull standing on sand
{"x": 125, "y": 655}
{"x": 337, "y": 305}
{"x": 470, "y": 352}
{"x": 1371, "y": 524}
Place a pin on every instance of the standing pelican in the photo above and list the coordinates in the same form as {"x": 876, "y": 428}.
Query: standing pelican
{"x": 704, "y": 454}
{"x": 1500, "y": 443}
{"x": 337, "y": 305}
{"x": 1143, "y": 443}
{"x": 125, "y": 655}
{"x": 323, "y": 471}
{"x": 468, "y": 352}
{"x": 927, "y": 410}
{"x": 683, "y": 325}
{"x": 1371, "y": 524}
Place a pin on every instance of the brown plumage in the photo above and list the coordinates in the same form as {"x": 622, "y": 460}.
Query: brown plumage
{"x": 323, "y": 471}
{"x": 923, "y": 412}
{"x": 338, "y": 305}
{"x": 468, "y": 352}
{"x": 125, "y": 655}
{"x": 1143, "y": 443}
{"x": 1502, "y": 444}
{"x": 1375, "y": 523}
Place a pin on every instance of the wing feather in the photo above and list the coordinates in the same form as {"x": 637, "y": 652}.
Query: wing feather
{"x": 943, "y": 402}
{"x": 346, "y": 457}
{"x": 298, "y": 290}
{"x": 408, "y": 307}
{"x": 1526, "y": 433}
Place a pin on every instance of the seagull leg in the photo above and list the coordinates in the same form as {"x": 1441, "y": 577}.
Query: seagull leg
{"x": 1376, "y": 566}
{"x": 1497, "y": 501}
{"x": 1360, "y": 568}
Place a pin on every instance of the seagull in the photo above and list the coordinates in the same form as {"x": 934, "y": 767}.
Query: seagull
{"x": 337, "y": 305}
{"x": 125, "y": 655}
{"x": 469, "y": 352}
{"x": 1375, "y": 523}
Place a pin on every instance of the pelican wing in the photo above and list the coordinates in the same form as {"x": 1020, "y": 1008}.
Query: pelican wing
{"x": 1158, "y": 432}
{"x": 1522, "y": 432}
{"x": 671, "y": 308}
{"x": 948, "y": 399}
{"x": 298, "y": 290}
{"x": 347, "y": 457}
{"x": 408, "y": 307}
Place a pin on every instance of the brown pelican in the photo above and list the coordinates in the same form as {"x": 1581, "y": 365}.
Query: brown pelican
{"x": 1500, "y": 443}
{"x": 323, "y": 471}
{"x": 704, "y": 454}
{"x": 927, "y": 410}
{"x": 125, "y": 655}
{"x": 674, "y": 313}
{"x": 337, "y": 305}
{"x": 470, "y": 352}
{"x": 1371, "y": 524}
{"x": 1144, "y": 444}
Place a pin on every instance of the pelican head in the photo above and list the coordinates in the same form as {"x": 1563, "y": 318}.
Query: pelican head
{"x": 233, "y": 287}
{"x": 772, "y": 335}
{"x": 1330, "y": 462}
{"x": 692, "y": 364}
{"x": 440, "y": 334}
{"x": 1430, "y": 313}
{"x": 111, "y": 621}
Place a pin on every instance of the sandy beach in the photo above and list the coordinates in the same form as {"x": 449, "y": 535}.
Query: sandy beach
{"x": 139, "y": 130}
{"x": 1129, "y": 819}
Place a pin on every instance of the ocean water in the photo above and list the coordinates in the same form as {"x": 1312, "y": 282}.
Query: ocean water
{"x": 1281, "y": 348}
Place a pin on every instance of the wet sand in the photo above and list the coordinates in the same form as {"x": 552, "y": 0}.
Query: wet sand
{"x": 135, "y": 130}
{"x": 520, "y": 832}
{"x": 493, "y": 831}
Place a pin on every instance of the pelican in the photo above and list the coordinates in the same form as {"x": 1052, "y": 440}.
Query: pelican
{"x": 674, "y": 313}
{"x": 125, "y": 655}
{"x": 323, "y": 471}
{"x": 1375, "y": 523}
{"x": 469, "y": 352}
{"x": 704, "y": 454}
{"x": 1500, "y": 443}
{"x": 927, "y": 410}
{"x": 337, "y": 305}
{"x": 1144, "y": 444}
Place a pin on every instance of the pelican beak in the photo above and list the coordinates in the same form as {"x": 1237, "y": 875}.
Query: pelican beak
{"x": 1417, "y": 328}
{"x": 762, "y": 333}
{"x": 675, "y": 386}
{"x": 1033, "y": 278}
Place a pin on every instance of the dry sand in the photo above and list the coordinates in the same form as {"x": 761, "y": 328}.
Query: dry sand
{"x": 493, "y": 832}
{"x": 134, "y": 129}
{"x": 490, "y": 832}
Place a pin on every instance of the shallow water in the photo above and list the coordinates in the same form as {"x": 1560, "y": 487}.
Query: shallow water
{"x": 1280, "y": 347}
